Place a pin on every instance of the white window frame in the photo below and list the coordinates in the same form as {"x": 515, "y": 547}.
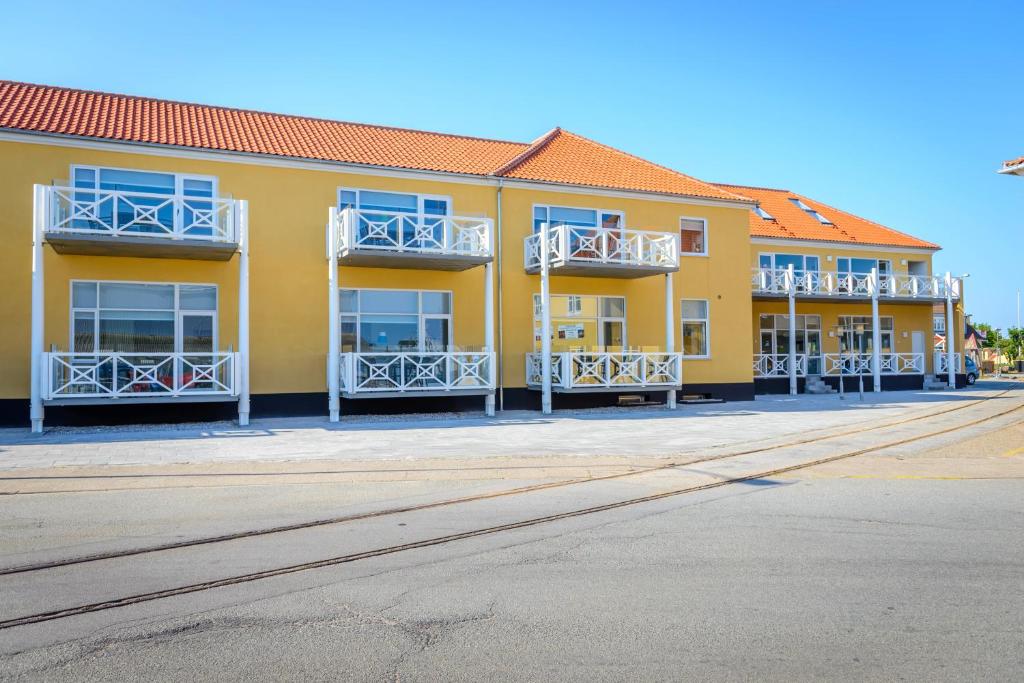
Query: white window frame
{"x": 707, "y": 243}
{"x": 939, "y": 324}
{"x": 420, "y": 325}
{"x": 878, "y": 261}
{"x": 420, "y": 199}
{"x": 215, "y": 312}
{"x": 548, "y": 207}
{"x": 707, "y": 330}
{"x": 847, "y": 321}
{"x": 803, "y": 257}
{"x": 179, "y": 179}
{"x": 600, "y": 319}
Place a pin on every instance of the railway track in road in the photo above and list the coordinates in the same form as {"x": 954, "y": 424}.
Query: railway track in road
{"x": 485, "y": 531}
{"x": 341, "y": 519}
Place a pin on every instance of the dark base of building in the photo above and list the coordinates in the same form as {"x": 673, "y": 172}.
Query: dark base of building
{"x": 780, "y": 385}
{"x": 15, "y": 412}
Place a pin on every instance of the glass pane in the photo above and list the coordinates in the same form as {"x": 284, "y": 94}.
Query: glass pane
{"x": 843, "y": 264}
{"x": 83, "y": 295}
{"x": 614, "y": 335}
{"x": 812, "y": 264}
{"x": 613, "y": 307}
{"x": 767, "y": 321}
{"x": 85, "y": 177}
{"x": 388, "y": 201}
{"x": 349, "y": 300}
{"x": 435, "y": 207}
{"x": 347, "y": 199}
{"x": 389, "y": 333}
{"x": 611, "y": 220}
{"x": 561, "y": 214}
{"x": 764, "y": 260}
{"x": 84, "y": 333}
{"x": 862, "y": 266}
{"x": 136, "y": 181}
{"x": 691, "y": 241}
{"x": 540, "y": 214}
{"x": 389, "y": 301}
{"x": 127, "y": 334}
{"x": 437, "y": 302}
{"x": 115, "y": 295}
{"x": 692, "y": 308}
{"x": 435, "y": 334}
{"x": 197, "y": 298}
{"x": 348, "y": 334}
{"x": 694, "y": 339}
{"x": 197, "y": 333}
{"x": 195, "y": 187}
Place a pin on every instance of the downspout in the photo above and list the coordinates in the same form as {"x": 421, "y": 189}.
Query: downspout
{"x": 501, "y": 316}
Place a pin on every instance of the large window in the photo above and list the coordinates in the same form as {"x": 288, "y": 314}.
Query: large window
{"x": 586, "y": 218}
{"x": 856, "y": 334}
{"x": 583, "y": 323}
{"x": 862, "y": 266}
{"x": 145, "y": 205}
{"x": 387, "y": 320}
{"x": 389, "y": 219}
{"x": 801, "y": 263}
{"x": 126, "y": 317}
{"x": 394, "y": 202}
{"x": 775, "y": 338}
{"x": 696, "y": 338}
{"x": 693, "y": 236}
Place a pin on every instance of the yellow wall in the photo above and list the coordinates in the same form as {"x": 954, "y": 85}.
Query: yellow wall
{"x": 288, "y": 271}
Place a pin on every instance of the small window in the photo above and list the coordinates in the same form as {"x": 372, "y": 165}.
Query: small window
{"x": 693, "y": 236}
{"x": 764, "y": 215}
{"x": 695, "y": 328}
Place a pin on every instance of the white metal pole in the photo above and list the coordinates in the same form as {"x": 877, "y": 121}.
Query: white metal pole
{"x": 334, "y": 318}
{"x": 876, "y": 335}
{"x": 36, "y": 353}
{"x": 243, "y": 311}
{"x": 791, "y": 288}
{"x": 670, "y": 334}
{"x": 489, "y": 331}
{"x": 950, "y": 342}
{"x": 545, "y": 322}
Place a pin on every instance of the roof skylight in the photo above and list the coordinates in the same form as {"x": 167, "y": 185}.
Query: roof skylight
{"x": 763, "y": 214}
{"x": 811, "y": 212}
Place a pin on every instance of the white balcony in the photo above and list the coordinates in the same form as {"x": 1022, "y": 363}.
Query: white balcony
{"x": 416, "y": 373}
{"x": 411, "y": 240}
{"x": 604, "y": 252}
{"x": 833, "y": 364}
{"x": 582, "y": 371}
{"x": 940, "y": 363}
{"x": 777, "y": 365}
{"x": 773, "y": 284}
{"x": 91, "y": 378}
{"x": 119, "y": 223}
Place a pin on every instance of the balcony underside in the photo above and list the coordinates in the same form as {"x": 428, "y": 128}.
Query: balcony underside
{"x": 617, "y": 270}
{"x": 617, "y": 388}
{"x": 372, "y": 258}
{"x": 850, "y": 298}
{"x": 469, "y": 391}
{"x": 149, "y": 247}
{"x": 87, "y": 400}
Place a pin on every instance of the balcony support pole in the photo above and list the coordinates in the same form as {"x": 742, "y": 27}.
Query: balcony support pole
{"x": 243, "y": 312}
{"x": 950, "y": 344}
{"x": 36, "y": 358}
{"x": 334, "y": 319}
{"x": 670, "y": 336}
{"x": 791, "y": 291}
{"x": 876, "y": 335}
{"x": 489, "y": 332}
{"x": 545, "y": 322}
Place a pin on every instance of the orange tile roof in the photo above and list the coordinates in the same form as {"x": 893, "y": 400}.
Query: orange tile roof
{"x": 792, "y": 222}
{"x": 559, "y": 157}
{"x": 1010, "y": 163}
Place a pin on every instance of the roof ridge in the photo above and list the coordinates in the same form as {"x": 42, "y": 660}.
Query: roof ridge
{"x": 261, "y": 112}
{"x": 531, "y": 150}
{"x": 868, "y": 220}
{"x": 754, "y": 187}
{"x": 616, "y": 150}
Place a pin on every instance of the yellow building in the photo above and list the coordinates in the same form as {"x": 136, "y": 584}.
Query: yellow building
{"x": 170, "y": 260}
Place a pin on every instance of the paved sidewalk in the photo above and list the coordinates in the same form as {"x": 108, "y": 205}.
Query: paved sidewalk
{"x": 618, "y": 432}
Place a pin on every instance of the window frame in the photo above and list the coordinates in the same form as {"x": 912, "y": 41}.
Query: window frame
{"x": 421, "y": 198}
{"x": 707, "y": 330}
{"x": 599, "y": 319}
{"x": 803, "y": 257}
{"x": 615, "y": 212}
{"x": 707, "y": 243}
{"x": 421, "y": 317}
{"x": 878, "y": 261}
{"x": 178, "y": 311}
{"x": 179, "y": 180}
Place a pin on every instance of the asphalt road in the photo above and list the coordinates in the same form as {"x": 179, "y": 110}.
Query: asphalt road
{"x": 905, "y": 564}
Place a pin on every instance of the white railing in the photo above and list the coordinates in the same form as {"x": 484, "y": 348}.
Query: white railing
{"x": 605, "y": 246}
{"x": 863, "y": 363}
{"x": 940, "y": 363}
{"x": 138, "y": 375}
{"x": 777, "y": 365}
{"x": 626, "y": 370}
{"x": 140, "y": 214}
{"x": 391, "y": 231}
{"x": 821, "y": 283}
{"x": 414, "y": 371}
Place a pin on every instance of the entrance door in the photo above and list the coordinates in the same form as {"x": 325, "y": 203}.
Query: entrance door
{"x": 613, "y": 333}
{"x": 197, "y": 337}
{"x": 436, "y": 333}
{"x": 917, "y": 344}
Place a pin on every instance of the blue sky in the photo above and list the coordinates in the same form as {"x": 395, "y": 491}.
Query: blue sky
{"x": 897, "y": 111}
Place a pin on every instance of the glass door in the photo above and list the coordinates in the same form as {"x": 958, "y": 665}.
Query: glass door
{"x": 613, "y": 335}
{"x": 197, "y": 337}
{"x": 436, "y": 333}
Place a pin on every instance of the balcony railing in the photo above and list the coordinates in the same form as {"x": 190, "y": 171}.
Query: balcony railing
{"x": 833, "y": 364}
{"x": 117, "y": 213}
{"x": 813, "y": 283}
{"x": 138, "y": 375}
{"x": 394, "y": 233}
{"x": 372, "y": 373}
{"x": 596, "y": 248}
{"x": 940, "y": 363}
{"x": 607, "y": 370}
